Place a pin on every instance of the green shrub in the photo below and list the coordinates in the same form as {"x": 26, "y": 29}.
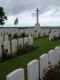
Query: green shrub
{"x": 10, "y": 35}
{"x": 25, "y": 49}
{"x": 15, "y": 36}
{"x": 52, "y": 73}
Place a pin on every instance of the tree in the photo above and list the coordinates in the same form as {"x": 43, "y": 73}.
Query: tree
{"x": 16, "y": 21}
{"x": 3, "y": 17}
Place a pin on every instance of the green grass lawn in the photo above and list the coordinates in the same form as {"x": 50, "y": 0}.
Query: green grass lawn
{"x": 21, "y": 61}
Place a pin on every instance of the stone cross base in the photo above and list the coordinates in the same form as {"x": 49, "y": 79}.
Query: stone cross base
{"x": 37, "y": 27}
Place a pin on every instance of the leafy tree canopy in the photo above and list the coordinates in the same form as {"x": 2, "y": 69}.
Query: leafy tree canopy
{"x": 3, "y": 17}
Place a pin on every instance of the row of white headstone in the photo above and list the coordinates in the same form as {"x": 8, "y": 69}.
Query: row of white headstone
{"x": 54, "y": 35}
{"x": 42, "y": 33}
{"x": 9, "y": 31}
{"x": 14, "y": 44}
{"x": 3, "y": 38}
{"x": 35, "y": 68}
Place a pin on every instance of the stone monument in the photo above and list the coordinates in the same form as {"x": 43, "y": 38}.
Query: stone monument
{"x": 37, "y": 25}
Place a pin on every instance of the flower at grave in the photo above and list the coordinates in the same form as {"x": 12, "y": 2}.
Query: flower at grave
{"x": 49, "y": 74}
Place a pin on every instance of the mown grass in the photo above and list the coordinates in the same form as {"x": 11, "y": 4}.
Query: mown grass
{"x": 21, "y": 61}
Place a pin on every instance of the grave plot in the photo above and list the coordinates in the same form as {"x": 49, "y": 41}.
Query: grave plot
{"x": 30, "y": 40}
{"x": 54, "y": 36}
{"x": 33, "y": 70}
{"x": 26, "y": 40}
{"x": 57, "y": 53}
{"x": 42, "y": 34}
{"x": 52, "y": 57}
{"x": 46, "y": 33}
{"x": 20, "y": 41}
{"x": 1, "y": 39}
{"x": 43, "y": 64}
{"x": 17, "y": 74}
{"x": 7, "y": 46}
{"x": 5, "y": 37}
{"x": 51, "y": 37}
{"x": 14, "y": 46}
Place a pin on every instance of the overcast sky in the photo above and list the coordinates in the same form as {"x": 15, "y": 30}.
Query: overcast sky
{"x": 25, "y": 10}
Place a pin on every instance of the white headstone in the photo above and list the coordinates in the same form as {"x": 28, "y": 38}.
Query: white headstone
{"x": 7, "y": 46}
{"x": 52, "y": 57}
{"x": 36, "y": 34}
{"x": 16, "y": 75}
{"x": 43, "y": 64}
{"x": 21, "y": 41}
{"x": 6, "y": 37}
{"x": 42, "y": 34}
{"x": 33, "y": 70}
{"x": 30, "y": 40}
{"x": 1, "y": 39}
{"x": 26, "y": 40}
{"x": 46, "y": 33}
{"x": 51, "y": 36}
{"x": 14, "y": 46}
{"x": 56, "y": 34}
{"x": 57, "y": 53}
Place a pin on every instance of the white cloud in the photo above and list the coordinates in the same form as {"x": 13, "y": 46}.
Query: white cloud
{"x": 49, "y": 11}
{"x": 48, "y": 18}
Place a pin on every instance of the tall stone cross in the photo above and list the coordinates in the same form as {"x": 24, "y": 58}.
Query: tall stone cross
{"x": 37, "y": 15}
